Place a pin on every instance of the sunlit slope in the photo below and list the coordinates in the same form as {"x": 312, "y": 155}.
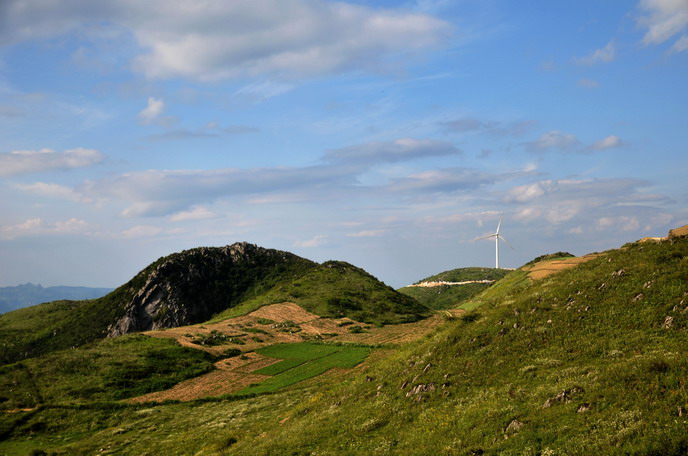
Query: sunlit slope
{"x": 451, "y": 288}
{"x": 590, "y": 360}
{"x": 196, "y": 285}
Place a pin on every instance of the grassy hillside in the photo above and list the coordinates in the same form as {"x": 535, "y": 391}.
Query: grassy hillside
{"x": 107, "y": 370}
{"x": 590, "y": 360}
{"x": 206, "y": 283}
{"x": 339, "y": 289}
{"x": 450, "y": 296}
{"x": 59, "y": 325}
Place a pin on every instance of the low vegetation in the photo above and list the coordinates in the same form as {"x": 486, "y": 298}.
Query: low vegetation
{"x": 108, "y": 370}
{"x": 589, "y": 360}
{"x": 338, "y": 289}
{"x": 449, "y": 296}
{"x": 303, "y": 361}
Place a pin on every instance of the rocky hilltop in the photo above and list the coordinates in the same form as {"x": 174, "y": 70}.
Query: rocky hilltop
{"x": 193, "y": 285}
{"x": 196, "y": 285}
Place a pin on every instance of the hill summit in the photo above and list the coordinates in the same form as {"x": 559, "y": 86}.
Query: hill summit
{"x": 198, "y": 284}
{"x": 193, "y": 285}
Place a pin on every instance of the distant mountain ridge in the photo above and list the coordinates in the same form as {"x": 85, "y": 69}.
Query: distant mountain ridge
{"x": 30, "y": 294}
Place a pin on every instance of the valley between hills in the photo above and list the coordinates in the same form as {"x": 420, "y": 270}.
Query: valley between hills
{"x": 244, "y": 350}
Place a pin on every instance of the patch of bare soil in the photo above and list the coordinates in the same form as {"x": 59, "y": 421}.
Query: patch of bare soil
{"x": 231, "y": 375}
{"x": 275, "y": 323}
{"x": 676, "y": 232}
{"x": 543, "y": 269}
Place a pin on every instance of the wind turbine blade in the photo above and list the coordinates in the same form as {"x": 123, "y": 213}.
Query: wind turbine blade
{"x": 499, "y": 224}
{"x": 504, "y": 239}
{"x": 486, "y": 237}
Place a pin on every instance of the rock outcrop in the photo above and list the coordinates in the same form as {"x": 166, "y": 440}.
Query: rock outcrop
{"x": 191, "y": 286}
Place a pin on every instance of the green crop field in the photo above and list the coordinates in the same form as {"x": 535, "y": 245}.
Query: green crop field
{"x": 303, "y": 361}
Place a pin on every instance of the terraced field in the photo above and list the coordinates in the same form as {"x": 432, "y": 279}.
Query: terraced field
{"x": 257, "y": 359}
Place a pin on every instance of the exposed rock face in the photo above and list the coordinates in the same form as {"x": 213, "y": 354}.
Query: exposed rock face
{"x": 193, "y": 285}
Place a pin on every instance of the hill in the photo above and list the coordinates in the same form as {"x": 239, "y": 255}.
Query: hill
{"x": 28, "y": 294}
{"x": 195, "y": 285}
{"x": 587, "y": 360}
{"x": 449, "y": 289}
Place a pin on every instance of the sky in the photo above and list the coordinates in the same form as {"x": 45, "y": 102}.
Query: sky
{"x": 389, "y": 134}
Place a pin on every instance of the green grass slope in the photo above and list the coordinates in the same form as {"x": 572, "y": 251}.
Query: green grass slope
{"x": 450, "y": 296}
{"x": 205, "y": 282}
{"x": 106, "y": 370}
{"x": 590, "y": 360}
{"x": 339, "y": 289}
{"x": 59, "y": 325}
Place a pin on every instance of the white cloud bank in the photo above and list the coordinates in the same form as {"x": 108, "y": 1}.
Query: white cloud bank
{"x": 35, "y": 161}
{"x": 664, "y": 20}
{"x": 211, "y": 40}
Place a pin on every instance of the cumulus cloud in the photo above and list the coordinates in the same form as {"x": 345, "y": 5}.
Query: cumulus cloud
{"x": 197, "y": 213}
{"x": 210, "y": 40}
{"x": 39, "y": 227}
{"x": 553, "y": 140}
{"x": 610, "y": 142}
{"x": 316, "y": 241}
{"x": 140, "y": 231}
{"x": 152, "y": 111}
{"x": 663, "y": 20}
{"x": 35, "y": 161}
{"x": 602, "y": 55}
{"x": 51, "y": 191}
{"x": 392, "y": 151}
{"x": 599, "y": 203}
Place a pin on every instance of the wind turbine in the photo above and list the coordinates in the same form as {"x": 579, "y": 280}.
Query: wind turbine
{"x": 496, "y": 237}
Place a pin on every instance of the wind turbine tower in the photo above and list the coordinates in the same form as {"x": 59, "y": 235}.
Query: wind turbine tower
{"x": 496, "y": 237}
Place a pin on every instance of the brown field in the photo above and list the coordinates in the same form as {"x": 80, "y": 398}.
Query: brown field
{"x": 542, "y": 269}
{"x": 233, "y": 374}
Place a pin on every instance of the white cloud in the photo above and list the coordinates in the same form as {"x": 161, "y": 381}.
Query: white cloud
{"x": 151, "y": 112}
{"x": 681, "y": 44}
{"x": 31, "y": 161}
{"x": 663, "y": 20}
{"x": 528, "y": 192}
{"x": 316, "y": 241}
{"x": 211, "y": 40}
{"x": 553, "y": 140}
{"x": 50, "y": 190}
{"x": 197, "y": 213}
{"x": 620, "y": 223}
{"x": 140, "y": 231}
{"x": 164, "y": 192}
{"x": 609, "y": 142}
{"x": 39, "y": 227}
{"x": 602, "y": 55}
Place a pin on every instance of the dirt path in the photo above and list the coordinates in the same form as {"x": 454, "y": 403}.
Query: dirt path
{"x": 545, "y": 268}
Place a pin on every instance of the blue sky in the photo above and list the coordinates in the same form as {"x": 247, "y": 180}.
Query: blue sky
{"x": 387, "y": 134}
